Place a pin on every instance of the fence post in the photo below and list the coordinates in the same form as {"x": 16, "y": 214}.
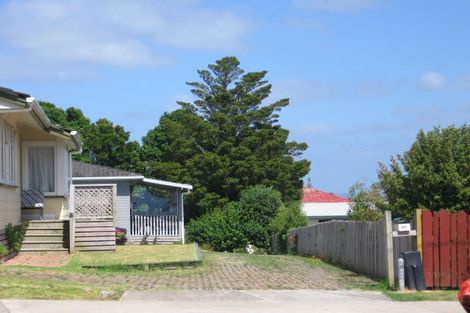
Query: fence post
{"x": 419, "y": 232}
{"x": 72, "y": 219}
{"x": 389, "y": 250}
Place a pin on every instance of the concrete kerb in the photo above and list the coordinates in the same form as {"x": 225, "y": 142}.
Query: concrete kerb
{"x": 3, "y": 308}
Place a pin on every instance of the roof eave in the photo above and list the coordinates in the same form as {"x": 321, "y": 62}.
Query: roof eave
{"x": 47, "y": 125}
{"x": 167, "y": 183}
{"x": 106, "y": 178}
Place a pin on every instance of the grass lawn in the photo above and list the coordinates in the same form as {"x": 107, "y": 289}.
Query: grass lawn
{"x": 87, "y": 274}
{"x": 53, "y": 289}
{"x": 155, "y": 255}
{"x": 427, "y": 295}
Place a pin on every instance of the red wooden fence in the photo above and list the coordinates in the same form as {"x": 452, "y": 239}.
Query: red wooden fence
{"x": 445, "y": 248}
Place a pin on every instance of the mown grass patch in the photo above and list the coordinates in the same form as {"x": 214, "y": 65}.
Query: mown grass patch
{"x": 142, "y": 256}
{"x": 57, "y": 289}
{"x": 426, "y": 295}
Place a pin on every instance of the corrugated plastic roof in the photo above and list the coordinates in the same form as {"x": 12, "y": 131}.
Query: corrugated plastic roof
{"x": 316, "y": 196}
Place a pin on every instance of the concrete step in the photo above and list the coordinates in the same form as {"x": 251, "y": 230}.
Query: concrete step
{"x": 39, "y": 232}
{"x": 41, "y": 251}
{"x": 46, "y": 237}
{"x": 48, "y": 224}
{"x": 45, "y": 245}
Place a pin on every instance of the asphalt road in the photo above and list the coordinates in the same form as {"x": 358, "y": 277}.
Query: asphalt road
{"x": 235, "y": 301}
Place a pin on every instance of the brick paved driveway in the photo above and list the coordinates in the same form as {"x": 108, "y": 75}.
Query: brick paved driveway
{"x": 221, "y": 271}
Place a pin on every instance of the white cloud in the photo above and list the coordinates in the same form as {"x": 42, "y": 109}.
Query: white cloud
{"x": 306, "y": 23}
{"x": 335, "y": 5}
{"x": 113, "y": 33}
{"x": 313, "y": 91}
{"x": 433, "y": 81}
{"x": 464, "y": 82}
{"x": 303, "y": 91}
{"x": 370, "y": 88}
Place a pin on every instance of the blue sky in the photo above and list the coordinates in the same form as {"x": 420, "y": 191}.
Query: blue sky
{"x": 363, "y": 76}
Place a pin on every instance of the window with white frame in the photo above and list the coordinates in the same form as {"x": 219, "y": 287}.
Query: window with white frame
{"x": 8, "y": 154}
{"x": 40, "y": 167}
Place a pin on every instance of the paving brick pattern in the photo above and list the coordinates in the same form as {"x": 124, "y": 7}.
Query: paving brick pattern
{"x": 39, "y": 260}
{"x": 227, "y": 272}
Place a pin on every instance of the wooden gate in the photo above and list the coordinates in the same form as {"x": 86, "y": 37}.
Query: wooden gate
{"x": 445, "y": 248}
{"x": 92, "y": 222}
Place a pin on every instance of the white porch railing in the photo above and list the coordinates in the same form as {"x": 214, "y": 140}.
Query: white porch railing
{"x": 160, "y": 225}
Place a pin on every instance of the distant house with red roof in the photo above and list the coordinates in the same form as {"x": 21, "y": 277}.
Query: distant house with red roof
{"x": 320, "y": 206}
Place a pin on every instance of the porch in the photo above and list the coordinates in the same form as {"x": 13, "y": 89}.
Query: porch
{"x": 156, "y": 213}
{"x": 146, "y": 208}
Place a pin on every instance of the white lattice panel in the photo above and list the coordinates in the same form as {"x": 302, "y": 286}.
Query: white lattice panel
{"x": 93, "y": 201}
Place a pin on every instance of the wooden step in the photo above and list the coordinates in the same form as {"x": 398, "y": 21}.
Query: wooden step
{"x": 94, "y": 229}
{"x": 93, "y": 234}
{"x": 94, "y": 224}
{"x": 97, "y": 248}
{"x": 98, "y": 238}
{"x": 95, "y": 243}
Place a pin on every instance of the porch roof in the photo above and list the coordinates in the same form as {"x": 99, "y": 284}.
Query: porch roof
{"x": 82, "y": 171}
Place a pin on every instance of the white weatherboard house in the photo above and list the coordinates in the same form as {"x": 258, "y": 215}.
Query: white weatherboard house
{"x": 35, "y": 166}
{"x": 68, "y": 214}
{"x": 35, "y": 154}
{"x": 322, "y": 206}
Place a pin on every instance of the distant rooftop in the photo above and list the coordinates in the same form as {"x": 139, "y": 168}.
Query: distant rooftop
{"x": 82, "y": 169}
{"x": 317, "y": 196}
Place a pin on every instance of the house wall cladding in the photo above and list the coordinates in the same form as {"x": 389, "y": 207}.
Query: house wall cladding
{"x": 359, "y": 246}
{"x": 123, "y": 201}
{"x": 9, "y": 206}
{"x": 445, "y": 248}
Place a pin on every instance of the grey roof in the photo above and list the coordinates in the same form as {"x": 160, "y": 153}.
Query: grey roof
{"x": 13, "y": 95}
{"x": 82, "y": 169}
{"x": 31, "y": 199}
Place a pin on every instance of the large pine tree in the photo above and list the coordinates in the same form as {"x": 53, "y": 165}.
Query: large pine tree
{"x": 225, "y": 140}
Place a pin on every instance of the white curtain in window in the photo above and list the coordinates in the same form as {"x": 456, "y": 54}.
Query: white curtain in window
{"x": 41, "y": 168}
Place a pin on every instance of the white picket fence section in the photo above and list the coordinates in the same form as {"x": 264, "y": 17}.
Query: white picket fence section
{"x": 158, "y": 225}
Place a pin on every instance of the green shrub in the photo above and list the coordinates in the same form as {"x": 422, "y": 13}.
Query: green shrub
{"x": 3, "y": 251}
{"x": 221, "y": 229}
{"x": 15, "y": 235}
{"x": 287, "y": 218}
{"x": 367, "y": 203}
{"x": 144, "y": 241}
{"x": 239, "y": 223}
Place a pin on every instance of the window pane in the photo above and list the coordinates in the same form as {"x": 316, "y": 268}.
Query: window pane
{"x": 150, "y": 200}
{"x": 41, "y": 168}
